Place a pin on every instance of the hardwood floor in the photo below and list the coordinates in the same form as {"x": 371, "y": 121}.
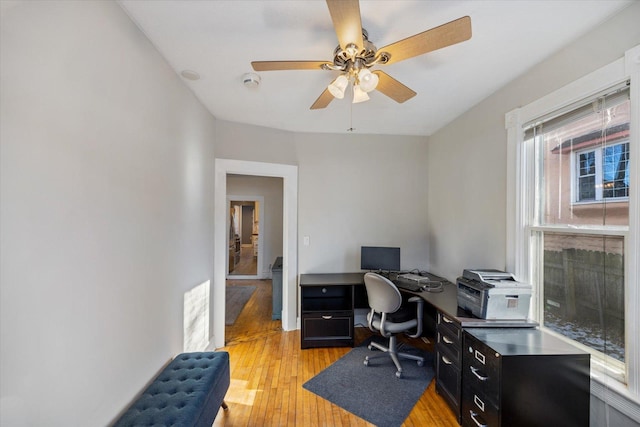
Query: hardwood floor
{"x": 255, "y": 319}
{"x": 268, "y": 369}
{"x": 248, "y": 264}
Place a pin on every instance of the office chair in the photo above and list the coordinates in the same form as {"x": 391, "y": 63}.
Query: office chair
{"x": 385, "y": 300}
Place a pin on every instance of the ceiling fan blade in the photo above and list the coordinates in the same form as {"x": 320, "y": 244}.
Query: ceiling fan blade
{"x": 393, "y": 88}
{"x": 287, "y": 65}
{"x": 323, "y": 100}
{"x": 345, "y": 15}
{"x": 445, "y": 35}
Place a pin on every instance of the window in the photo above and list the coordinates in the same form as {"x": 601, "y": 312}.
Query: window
{"x": 609, "y": 167}
{"x": 583, "y": 156}
{"x": 579, "y": 262}
{"x": 573, "y": 227}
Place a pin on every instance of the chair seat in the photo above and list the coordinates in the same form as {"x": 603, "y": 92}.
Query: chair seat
{"x": 393, "y": 327}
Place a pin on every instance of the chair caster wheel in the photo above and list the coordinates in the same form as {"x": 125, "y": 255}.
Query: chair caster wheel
{"x": 370, "y": 347}
{"x": 398, "y": 374}
{"x": 420, "y": 362}
{"x": 366, "y": 362}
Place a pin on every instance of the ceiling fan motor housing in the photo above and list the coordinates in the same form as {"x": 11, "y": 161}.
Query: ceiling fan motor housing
{"x": 343, "y": 59}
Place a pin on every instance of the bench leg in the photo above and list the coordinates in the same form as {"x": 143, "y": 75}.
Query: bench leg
{"x": 224, "y": 405}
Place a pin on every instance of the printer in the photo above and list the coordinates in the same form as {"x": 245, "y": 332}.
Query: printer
{"x": 493, "y": 294}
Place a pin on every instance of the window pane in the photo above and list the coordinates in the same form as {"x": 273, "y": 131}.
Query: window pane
{"x": 587, "y": 188}
{"x": 584, "y": 290}
{"x": 583, "y": 165}
{"x": 615, "y": 171}
{"x": 588, "y": 163}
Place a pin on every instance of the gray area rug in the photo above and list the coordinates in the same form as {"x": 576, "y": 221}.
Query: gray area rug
{"x": 236, "y": 298}
{"x": 373, "y": 392}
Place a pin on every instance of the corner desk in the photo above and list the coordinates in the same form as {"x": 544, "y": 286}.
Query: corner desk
{"x": 475, "y": 358}
{"x": 329, "y": 299}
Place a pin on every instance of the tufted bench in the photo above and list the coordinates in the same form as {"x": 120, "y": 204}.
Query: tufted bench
{"x": 188, "y": 392}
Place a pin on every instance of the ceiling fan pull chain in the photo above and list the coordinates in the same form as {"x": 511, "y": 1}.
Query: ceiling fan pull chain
{"x": 350, "y": 118}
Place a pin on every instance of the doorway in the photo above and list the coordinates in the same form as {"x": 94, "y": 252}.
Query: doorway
{"x": 246, "y": 230}
{"x": 289, "y": 175}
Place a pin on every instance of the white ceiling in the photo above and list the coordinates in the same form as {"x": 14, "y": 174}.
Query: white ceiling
{"x": 219, "y": 39}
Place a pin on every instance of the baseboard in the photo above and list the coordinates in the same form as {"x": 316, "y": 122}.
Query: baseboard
{"x": 211, "y": 346}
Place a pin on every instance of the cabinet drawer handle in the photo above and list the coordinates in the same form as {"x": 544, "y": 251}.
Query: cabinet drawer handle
{"x": 475, "y": 371}
{"x": 479, "y": 403}
{"x": 446, "y": 340}
{"x": 447, "y": 320}
{"x": 473, "y": 418}
{"x": 446, "y": 360}
{"x": 327, "y": 317}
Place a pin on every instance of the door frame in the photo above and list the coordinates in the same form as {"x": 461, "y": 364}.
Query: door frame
{"x": 289, "y": 175}
{"x": 260, "y": 274}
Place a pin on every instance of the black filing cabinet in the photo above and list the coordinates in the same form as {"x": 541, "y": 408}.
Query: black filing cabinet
{"x": 327, "y": 315}
{"x": 449, "y": 360}
{"x": 523, "y": 377}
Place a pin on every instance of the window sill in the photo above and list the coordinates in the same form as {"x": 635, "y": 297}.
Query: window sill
{"x": 614, "y": 393}
{"x": 598, "y": 203}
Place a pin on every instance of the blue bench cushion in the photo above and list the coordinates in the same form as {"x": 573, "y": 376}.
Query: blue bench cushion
{"x": 188, "y": 392}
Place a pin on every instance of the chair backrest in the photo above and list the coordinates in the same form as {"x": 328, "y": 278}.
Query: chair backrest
{"x": 383, "y": 295}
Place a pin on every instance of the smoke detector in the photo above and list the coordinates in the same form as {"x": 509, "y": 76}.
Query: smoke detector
{"x": 251, "y": 80}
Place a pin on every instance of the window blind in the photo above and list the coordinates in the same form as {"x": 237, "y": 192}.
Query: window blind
{"x": 606, "y": 99}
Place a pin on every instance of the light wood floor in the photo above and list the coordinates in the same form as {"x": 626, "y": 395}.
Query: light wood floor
{"x": 268, "y": 369}
{"x": 248, "y": 264}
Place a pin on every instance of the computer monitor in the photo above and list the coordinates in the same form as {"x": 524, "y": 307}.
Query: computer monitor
{"x": 378, "y": 258}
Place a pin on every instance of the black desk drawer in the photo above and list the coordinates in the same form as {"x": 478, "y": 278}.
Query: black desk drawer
{"x": 327, "y": 329}
{"x": 481, "y": 369}
{"x": 446, "y": 323}
{"x": 447, "y": 342}
{"x": 477, "y": 411}
{"x": 448, "y": 382}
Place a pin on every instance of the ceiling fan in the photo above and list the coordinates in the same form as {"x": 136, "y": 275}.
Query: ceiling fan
{"x": 355, "y": 55}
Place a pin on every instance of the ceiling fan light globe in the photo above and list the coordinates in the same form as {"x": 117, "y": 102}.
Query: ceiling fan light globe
{"x": 338, "y": 86}
{"x": 359, "y": 95}
{"x": 367, "y": 80}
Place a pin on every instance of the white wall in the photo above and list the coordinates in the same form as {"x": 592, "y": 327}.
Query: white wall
{"x": 271, "y": 231}
{"x": 361, "y": 190}
{"x": 354, "y": 190}
{"x": 255, "y": 143}
{"x": 106, "y": 211}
